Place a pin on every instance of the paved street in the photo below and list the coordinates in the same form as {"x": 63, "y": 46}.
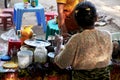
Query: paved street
{"x": 30, "y": 18}
{"x": 107, "y": 7}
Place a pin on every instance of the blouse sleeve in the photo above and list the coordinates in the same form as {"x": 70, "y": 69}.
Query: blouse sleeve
{"x": 66, "y": 56}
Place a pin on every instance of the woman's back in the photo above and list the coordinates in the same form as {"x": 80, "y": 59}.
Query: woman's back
{"x": 94, "y": 48}
{"x": 89, "y": 52}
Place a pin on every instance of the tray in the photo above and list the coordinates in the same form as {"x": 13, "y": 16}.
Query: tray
{"x": 36, "y": 43}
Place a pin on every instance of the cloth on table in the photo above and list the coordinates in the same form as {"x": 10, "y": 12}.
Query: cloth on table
{"x": 94, "y": 74}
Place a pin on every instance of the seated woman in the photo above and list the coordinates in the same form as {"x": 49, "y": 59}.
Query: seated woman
{"x": 89, "y": 52}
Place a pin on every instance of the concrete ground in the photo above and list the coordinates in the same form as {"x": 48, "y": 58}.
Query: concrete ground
{"x": 110, "y": 8}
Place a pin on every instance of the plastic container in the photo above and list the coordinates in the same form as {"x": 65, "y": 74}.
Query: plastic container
{"x": 26, "y": 33}
{"x": 40, "y": 54}
{"x": 25, "y": 57}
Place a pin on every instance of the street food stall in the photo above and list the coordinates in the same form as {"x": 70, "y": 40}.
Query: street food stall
{"x": 31, "y": 60}
{"x": 34, "y": 61}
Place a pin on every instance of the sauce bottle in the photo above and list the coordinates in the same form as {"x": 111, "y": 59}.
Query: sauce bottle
{"x": 33, "y": 3}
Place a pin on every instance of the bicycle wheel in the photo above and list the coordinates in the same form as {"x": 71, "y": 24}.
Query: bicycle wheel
{"x": 7, "y": 3}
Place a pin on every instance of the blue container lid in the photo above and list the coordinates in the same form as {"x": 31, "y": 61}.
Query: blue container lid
{"x": 5, "y": 58}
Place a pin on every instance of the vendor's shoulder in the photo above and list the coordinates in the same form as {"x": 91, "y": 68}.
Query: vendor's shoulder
{"x": 76, "y": 35}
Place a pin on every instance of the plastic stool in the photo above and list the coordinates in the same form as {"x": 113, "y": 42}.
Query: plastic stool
{"x": 4, "y": 20}
{"x": 50, "y": 15}
{"x": 8, "y": 10}
{"x": 52, "y": 28}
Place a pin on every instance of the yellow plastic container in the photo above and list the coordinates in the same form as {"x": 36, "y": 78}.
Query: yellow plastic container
{"x": 26, "y": 33}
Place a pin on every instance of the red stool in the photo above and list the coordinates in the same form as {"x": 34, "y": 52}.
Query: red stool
{"x": 5, "y": 20}
{"x": 50, "y": 15}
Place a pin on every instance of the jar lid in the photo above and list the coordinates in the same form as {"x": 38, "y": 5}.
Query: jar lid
{"x": 25, "y": 53}
{"x": 5, "y": 58}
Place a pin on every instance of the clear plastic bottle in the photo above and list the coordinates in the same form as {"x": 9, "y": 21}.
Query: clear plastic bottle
{"x": 59, "y": 46}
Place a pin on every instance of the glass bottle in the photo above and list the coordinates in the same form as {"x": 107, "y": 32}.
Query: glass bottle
{"x": 33, "y": 3}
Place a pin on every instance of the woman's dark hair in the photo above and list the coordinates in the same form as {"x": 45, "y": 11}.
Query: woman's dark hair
{"x": 85, "y": 14}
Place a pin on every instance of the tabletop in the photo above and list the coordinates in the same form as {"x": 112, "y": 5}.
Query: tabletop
{"x": 21, "y": 6}
{"x": 52, "y": 24}
{"x": 19, "y": 9}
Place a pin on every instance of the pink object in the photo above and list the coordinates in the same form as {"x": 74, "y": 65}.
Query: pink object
{"x": 8, "y": 10}
{"x": 4, "y": 20}
{"x": 50, "y": 15}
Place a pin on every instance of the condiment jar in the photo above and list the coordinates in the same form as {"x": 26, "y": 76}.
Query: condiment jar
{"x": 40, "y": 54}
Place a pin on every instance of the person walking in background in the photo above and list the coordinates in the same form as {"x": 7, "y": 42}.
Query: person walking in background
{"x": 89, "y": 52}
{"x": 66, "y": 22}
